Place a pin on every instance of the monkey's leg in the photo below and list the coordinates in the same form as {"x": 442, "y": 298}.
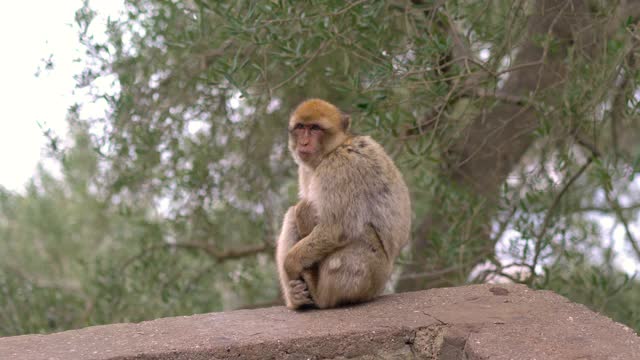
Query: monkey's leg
{"x": 295, "y": 291}
{"x": 353, "y": 274}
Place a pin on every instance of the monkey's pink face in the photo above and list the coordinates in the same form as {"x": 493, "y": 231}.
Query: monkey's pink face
{"x": 308, "y": 140}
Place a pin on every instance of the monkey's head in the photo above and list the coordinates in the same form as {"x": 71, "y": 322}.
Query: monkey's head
{"x": 316, "y": 128}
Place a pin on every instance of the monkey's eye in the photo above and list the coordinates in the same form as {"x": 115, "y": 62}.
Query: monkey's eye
{"x": 315, "y": 127}
{"x": 298, "y": 126}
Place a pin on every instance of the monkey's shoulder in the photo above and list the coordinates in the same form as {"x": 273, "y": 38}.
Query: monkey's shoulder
{"x": 361, "y": 148}
{"x": 359, "y": 156}
{"x": 362, "y": 142}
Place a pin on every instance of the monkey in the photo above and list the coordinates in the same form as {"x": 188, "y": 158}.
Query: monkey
{"x": 337, "y": 245}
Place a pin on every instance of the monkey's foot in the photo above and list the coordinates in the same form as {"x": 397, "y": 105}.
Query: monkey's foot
{"x": 299, "y": 294}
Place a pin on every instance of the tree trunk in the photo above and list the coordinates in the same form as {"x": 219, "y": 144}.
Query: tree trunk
{"x": 495, "y": 141}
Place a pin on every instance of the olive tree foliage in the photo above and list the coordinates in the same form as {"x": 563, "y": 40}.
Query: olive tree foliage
{"x": 514, "y": 123}
{"x": 71, "y": 256}
{"x": 511, "y": 117}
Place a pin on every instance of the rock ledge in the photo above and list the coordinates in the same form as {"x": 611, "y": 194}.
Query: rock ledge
{"x": 470, "y": 322}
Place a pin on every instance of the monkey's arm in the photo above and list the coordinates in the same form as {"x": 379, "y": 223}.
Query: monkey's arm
{"x": 295, "y": 292}
{"x": 323, "y": 240}
{"x": 305, "y": 218}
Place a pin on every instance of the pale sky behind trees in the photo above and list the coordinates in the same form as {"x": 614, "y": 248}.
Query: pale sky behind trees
{"x": 31, "y": 32}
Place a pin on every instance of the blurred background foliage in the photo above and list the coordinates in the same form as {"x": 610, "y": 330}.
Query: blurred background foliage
{"x": 515, "y": 124}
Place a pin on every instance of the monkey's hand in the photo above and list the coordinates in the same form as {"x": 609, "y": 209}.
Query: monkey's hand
{"x": 299, "y": 294}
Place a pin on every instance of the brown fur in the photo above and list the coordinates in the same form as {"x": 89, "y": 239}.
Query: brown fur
{"x": 306, "y": 218}
{"x": 338, "y": 244}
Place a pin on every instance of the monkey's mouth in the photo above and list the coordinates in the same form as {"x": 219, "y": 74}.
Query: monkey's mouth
{"x": 305, "y": 154}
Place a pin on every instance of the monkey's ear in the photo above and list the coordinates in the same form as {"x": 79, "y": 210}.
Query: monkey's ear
{"x": 345, "y": 121}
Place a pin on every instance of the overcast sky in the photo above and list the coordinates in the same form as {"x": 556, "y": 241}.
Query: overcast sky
{"x": 29, "y": 32}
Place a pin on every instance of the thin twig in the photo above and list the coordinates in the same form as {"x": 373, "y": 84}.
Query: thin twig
{"x": 625, "y": 223}
{"x": 519, "y": 67}
{"x": 552, "y": 209}
{"x": 218, "y": 255}
{"x": 607, "y": 210}
{"x": 61, "y": 284}
{"x": 620, "y": 103}
{"x": 212, "y": 54}
{"x": 225, "y": 254}
{"x": 513, "y": 99}
{"x": 330, "y": 14}
{"x": 301, "y": 68}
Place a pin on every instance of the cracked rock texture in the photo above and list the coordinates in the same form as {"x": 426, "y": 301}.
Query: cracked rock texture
{"x": 471, "y": 322}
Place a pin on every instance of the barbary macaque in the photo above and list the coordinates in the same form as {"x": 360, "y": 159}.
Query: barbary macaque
{"x": 338, "y": 244}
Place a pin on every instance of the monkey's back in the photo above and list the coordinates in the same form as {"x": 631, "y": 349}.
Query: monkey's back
{"x": 357, "y": 185}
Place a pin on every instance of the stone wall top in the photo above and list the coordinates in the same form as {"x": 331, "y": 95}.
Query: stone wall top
{"x": 470, "y": 322}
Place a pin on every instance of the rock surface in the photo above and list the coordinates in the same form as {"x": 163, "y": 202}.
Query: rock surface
{"x": 471, "y": 322}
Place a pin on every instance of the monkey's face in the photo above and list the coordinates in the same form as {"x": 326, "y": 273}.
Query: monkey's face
{"x": 316, "y": 128}
{"x": 307, "y": 141}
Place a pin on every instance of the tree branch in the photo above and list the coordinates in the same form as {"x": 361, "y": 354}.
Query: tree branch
{"x": 62, "y": 284}
{"x": 219, "y": 255}
{"x": 625, "y": 223}
{"x": 484, "y": 153}
{"x": 552, "y": 209}
{"x": 224, "y": 255}
{"x": 302, "y": 67}
{"x": 606, "y": 210}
